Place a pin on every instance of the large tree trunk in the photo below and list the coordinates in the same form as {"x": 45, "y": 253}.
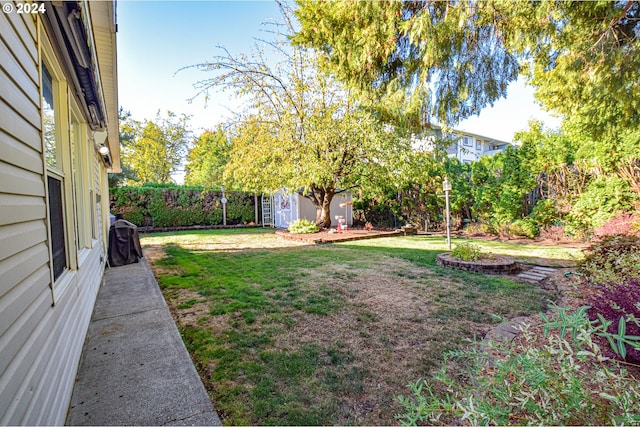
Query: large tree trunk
{"x": 321, "y": 199}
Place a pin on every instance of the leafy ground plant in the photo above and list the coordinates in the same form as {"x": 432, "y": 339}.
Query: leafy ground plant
{"x": 303, "y": 226}
{"x": 565, "y": 381}
{"x": 466, "y": 252}
{"x": 612, "y": 260}
{"x": 288, "y": 333}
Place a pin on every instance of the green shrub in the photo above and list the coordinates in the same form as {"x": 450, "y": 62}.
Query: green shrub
{"x": 545, "y": 214}
{"x": 564, "y": 381}
{"x": 479, "y": 227}
{"x": 240, "y": 208}
{"x": 213, "y": 217}
{"x": 603, "y": 199}
{"x": 613, "y": 260}
{"x": 163, "y": 205}
{"x": 466, "y": 252}
{"x": 523, "y": 227}
{"x": 132, "y": 214}
{"x": 303, "y": 226}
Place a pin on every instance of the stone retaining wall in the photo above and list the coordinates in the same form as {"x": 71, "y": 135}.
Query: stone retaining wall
{"x": 499, "y": 265}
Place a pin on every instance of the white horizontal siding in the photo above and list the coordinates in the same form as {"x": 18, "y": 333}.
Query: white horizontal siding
{"x": 19, "y": 329}
{"x": 18, "y": 208}
{"x": 14, "y": 270}
{"x": 30, "y": 182}
{"x": 14, "y": 124}
{"x": 40, "y": 342}
{"x": 23, "y": 47}
{"x": 24, "y": 30}
{"x": 39, "y": 383}
{"x": 27, "y": 82}
{"x": 17, "y": 298}
{"x": 19, "y": 100}
{"x": 20, "y": 155}
{"x": 15, "y": 238}
{"x": 60, "y": 373}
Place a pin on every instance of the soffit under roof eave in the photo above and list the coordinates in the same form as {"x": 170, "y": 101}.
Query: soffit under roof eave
{"x": 103, "y": 18}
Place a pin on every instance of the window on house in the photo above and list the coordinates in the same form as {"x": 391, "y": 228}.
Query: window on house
{"x": 49, "y": 119}
{"x": 467, "y": 141}
{"x": 80, "y": 165}
{"x": 55, "y": 177}
{"x": 56, "y": 218}
{"x": 94, "y": 210}
{"x": 478, "y": 145}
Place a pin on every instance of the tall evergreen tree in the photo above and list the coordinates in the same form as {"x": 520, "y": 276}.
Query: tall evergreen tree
{"x": 455, "y": 57}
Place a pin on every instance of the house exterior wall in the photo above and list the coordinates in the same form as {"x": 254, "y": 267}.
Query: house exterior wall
{"x": 469, "y": 148}
{"x": 43, "y": 320}
{"x": 464, "y": 146}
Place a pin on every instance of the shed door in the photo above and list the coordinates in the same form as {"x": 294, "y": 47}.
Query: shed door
{"x": 284, "y": 208}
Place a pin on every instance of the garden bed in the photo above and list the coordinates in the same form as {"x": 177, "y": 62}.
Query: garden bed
{"x": 345, "y": 236}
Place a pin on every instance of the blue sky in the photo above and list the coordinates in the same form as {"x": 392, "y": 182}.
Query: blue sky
{"x": 158, "y": 38}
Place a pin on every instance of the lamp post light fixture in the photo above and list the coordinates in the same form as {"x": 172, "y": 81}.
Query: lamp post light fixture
{"x": 446, "y": 186}
{"x": 223, "y": 200}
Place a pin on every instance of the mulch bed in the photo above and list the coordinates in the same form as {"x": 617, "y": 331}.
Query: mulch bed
{"x": 345, "y": 236}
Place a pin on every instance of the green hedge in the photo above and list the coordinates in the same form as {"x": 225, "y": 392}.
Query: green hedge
{"x": 179, "y": 206}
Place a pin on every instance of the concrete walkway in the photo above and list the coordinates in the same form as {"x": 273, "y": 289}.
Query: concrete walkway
{"x": 135, "y": 369}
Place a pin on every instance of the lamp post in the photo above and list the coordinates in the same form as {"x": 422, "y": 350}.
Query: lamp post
{"x": 223, "y": 200}
{"x": 446, "y": 186}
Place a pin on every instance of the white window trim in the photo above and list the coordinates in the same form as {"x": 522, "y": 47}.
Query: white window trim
{"x": 82, "y": 182}
{"x": 63, "y": 170}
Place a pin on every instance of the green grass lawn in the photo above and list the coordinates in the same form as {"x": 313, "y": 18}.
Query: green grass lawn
{"x": 288, "y": 333}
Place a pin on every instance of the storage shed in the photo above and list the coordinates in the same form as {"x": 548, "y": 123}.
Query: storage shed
{"x": 284, "y": 207}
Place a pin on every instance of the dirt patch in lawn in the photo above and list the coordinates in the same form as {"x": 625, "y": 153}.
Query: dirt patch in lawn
{"x": 387, "y": 331}
{"x": 154, "y": 253}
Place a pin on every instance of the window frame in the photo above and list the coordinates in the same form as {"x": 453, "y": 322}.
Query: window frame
{"x": 63, "y": 169}
{"x": 82, "y": 169}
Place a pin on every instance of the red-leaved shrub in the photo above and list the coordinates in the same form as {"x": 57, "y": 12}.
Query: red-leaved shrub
{"x": 613, "y": 301}
{"x": 628, "y": 224}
